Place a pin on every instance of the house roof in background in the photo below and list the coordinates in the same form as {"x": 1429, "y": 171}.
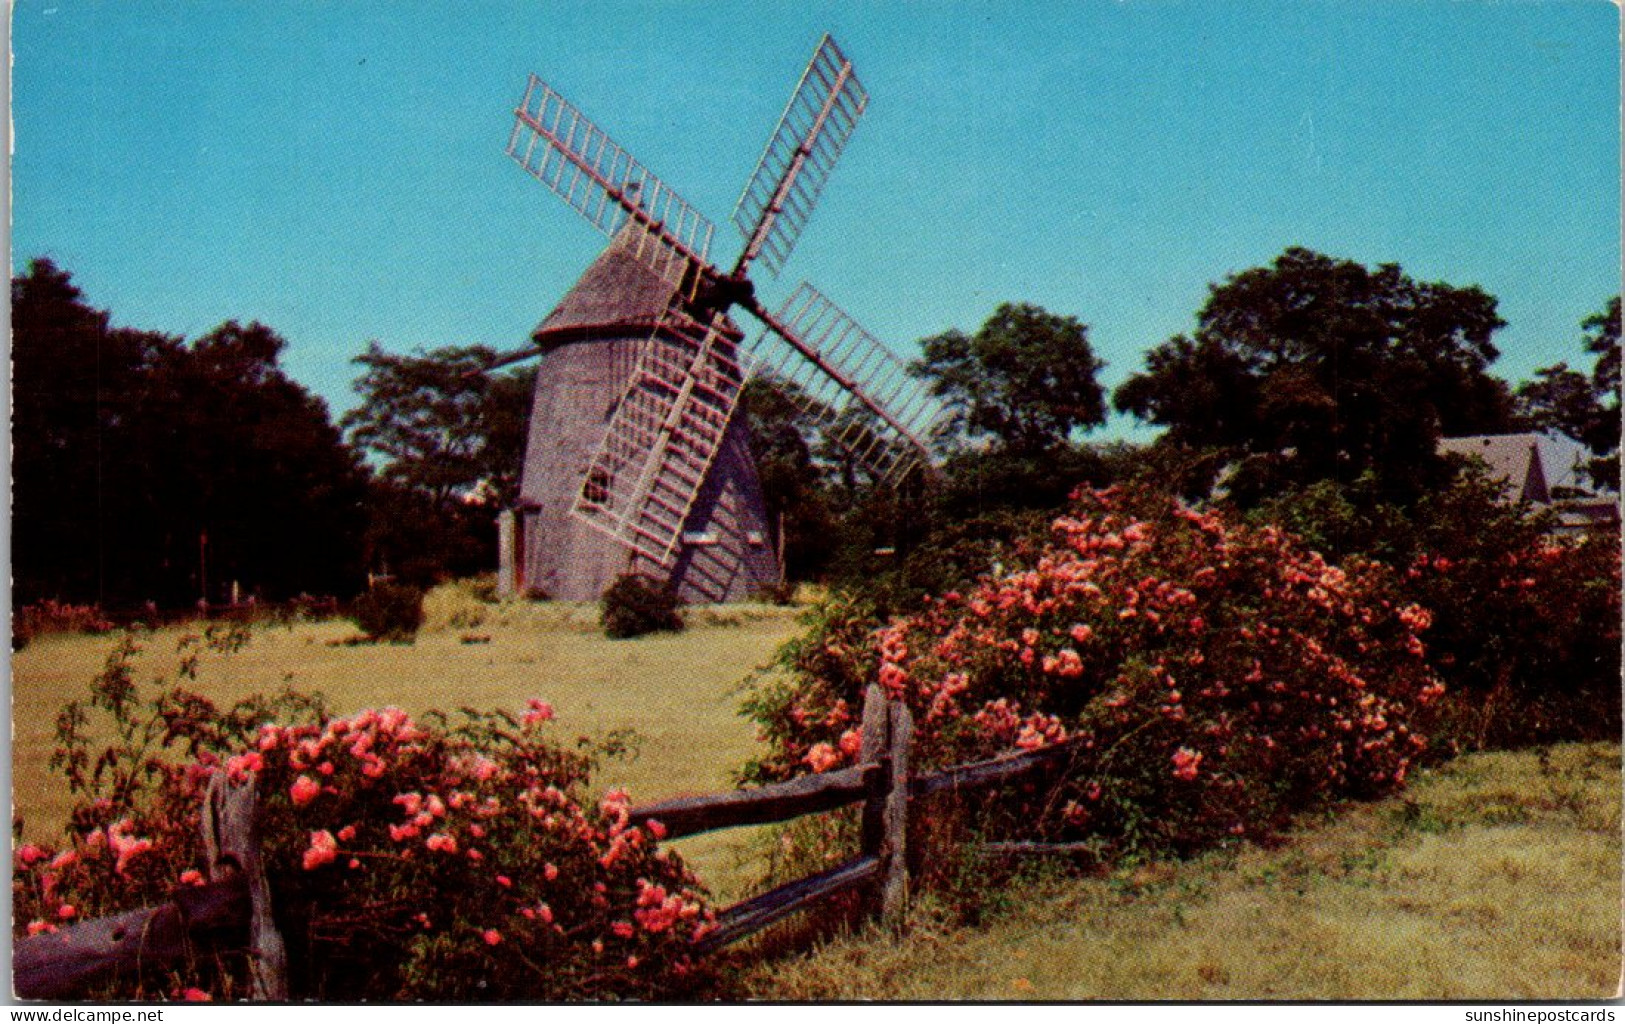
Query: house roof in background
{"x": 1512, "y": 458}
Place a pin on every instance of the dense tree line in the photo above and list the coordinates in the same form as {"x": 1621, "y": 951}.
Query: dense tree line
{"x": 1311, "y": 374}
{"x": 149, "y": 468}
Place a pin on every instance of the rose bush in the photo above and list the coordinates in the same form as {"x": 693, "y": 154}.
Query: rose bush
{"x": 1526, "y": 623}
{"x": 1528, "y": 639}
{"x": 438, "y": 859}
{"x": 51, "y": 616}
{"x": 1216, "y": 676}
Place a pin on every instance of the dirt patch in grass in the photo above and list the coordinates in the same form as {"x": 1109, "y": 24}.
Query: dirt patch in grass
{"x": 1495, "y": 877}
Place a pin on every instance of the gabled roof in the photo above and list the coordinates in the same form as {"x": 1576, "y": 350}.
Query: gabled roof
{"x": 1514, "y": 459}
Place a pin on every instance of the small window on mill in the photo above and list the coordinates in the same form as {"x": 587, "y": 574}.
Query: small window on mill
{"x": 596, "y": 489}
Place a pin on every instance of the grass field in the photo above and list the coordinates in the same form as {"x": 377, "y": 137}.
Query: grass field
{"x": 1496, "y": 876}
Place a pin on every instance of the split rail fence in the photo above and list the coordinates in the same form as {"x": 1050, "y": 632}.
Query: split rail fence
{"x": 233, "y": 909}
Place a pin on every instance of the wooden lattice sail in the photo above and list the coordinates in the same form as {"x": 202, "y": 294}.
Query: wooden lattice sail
{"x": 636, "y": 461}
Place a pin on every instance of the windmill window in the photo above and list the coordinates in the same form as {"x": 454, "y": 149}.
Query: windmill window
{"x": 596, "y": 489}
{"x": 701, "y": 538}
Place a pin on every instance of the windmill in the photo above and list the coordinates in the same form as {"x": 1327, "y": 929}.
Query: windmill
{"x": 635, "y": 459}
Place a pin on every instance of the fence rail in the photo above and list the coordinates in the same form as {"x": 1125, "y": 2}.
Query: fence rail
{"x": 809, "y": 794}
{"x": 995, "y": 771}
{"x": 233, "y": 910}
{"x": 758, "y": 912}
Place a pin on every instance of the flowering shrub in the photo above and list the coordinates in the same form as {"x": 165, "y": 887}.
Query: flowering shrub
{"x": 1528, "y": 638}
{"x": 437, "y": 859}
{"x": 1526, "y": 625}
{"x": 1215, "y": 677}
{"x": 50, "y": 616}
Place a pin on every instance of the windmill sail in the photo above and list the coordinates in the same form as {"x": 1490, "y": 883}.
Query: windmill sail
{"x": 780, "y": 195}
{"x": 881, "y": 414}
{"x": 558, "y": 146}
{"x": 663, "y": 435}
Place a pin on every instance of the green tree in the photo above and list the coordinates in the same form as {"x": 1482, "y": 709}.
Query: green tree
{"x": 784, "y": 427}
{"x": 76, "y": 387}
{"x": 1602, "y": 340}
{"x": 440, "y": 424}
{"x": 1017, "y": 391}
{"x": 255, "y": 462}
{"x": 145, "y": 468}
{"x": 1026, "y": 379}
{"x": 1584, "y": 407}
{"x": 450, "y": 439}
{"x": 1558, "y": 399}
{"x": 1317, "y": 368}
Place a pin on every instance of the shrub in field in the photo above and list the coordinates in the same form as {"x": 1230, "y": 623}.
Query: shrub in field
{"x": 1216, "y": 677}
{"x": 453, "y": 859}
{"x": 389, "y": 611}
{"x": 634, "y": 605}
{"x": 1522, "y": 617}
{"x": 457, "y": 605}
{"x": 1528, "y": 638}
{"x": 782, "y": 593}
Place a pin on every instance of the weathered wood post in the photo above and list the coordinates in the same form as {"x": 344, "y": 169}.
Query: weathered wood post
{"x": 231, "y": 839}
{"x": 872, "y": 750}
{"x": 61, "y": 964}
{"x": 887, "y": 731}
{"x": 507, "y": 556}
{"x": 894, "y": 885}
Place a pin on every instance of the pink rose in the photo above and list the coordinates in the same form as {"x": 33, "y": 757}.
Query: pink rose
{"x": 304, "y": 790}
{"x": 1186, "y": 764}
{"x": 539, "y": 711}
{"x": 29, "y": 854}
{"x": 441, "y": 843}
{"x": 822, "y": 757}
{"x": 323, "y": 849}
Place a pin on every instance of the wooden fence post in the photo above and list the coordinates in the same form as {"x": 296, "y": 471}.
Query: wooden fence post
{"x": 894, "y": 887}
{"x": 60, "y": 964}
{"x": 872, "y": 750}
{"x": 231, "y": 841}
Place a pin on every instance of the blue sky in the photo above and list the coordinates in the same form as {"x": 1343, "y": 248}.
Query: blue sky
{"x": 336, "y": 169}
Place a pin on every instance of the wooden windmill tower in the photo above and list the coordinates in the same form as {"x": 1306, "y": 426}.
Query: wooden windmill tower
{"x": 635, "y": 460}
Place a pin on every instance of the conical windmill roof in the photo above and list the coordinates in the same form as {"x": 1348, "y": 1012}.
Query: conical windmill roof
{"x": 619, "y": 288}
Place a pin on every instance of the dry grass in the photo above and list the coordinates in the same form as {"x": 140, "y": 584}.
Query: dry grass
{"x": 1495, "y": 878}
{"x": 677, "y": 691}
